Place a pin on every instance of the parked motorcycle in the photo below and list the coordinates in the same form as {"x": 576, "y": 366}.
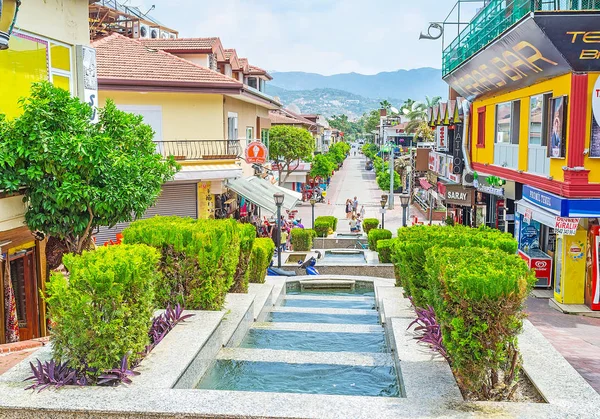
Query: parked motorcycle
{"x": 309, "y": 266}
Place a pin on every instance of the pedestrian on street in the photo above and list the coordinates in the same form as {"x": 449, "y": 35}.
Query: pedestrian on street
{"x": 362, "y": 212}
{"x": 355, "y": 206}
{"x": 348, "y": 209}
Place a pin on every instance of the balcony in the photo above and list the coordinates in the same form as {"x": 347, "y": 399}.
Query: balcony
{"x": 496, "y": 17}
{"x": 200, "y": 149}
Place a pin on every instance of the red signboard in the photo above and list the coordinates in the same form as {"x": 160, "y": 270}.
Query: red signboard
{"x": 256, "y": 152}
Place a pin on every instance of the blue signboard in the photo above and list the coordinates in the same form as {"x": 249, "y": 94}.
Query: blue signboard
{"x": 564, "y": 207}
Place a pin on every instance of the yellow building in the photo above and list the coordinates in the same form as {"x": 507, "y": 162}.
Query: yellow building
{"x": 43, "y": 46}
{"x": 202, "y": 117}
{"x": 535, "y": 133}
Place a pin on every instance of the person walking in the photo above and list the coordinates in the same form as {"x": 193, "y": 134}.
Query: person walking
{"x": 355, "y": 206}
{"x": 348, "y": 209}
{"x": 362, "y": 212}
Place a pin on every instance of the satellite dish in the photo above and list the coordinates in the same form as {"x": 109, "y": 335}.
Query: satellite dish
{"x": 394, "y": 110}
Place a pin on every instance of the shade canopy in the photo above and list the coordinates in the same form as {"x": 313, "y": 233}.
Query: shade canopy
{"x": 261, "y": 192}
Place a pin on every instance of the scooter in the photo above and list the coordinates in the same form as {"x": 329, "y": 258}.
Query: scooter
{"x": 309, "y": 266}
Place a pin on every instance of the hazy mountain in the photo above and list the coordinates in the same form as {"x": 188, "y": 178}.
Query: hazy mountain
{"x": 328, "y": 102}
{"x": 414, "y": 84}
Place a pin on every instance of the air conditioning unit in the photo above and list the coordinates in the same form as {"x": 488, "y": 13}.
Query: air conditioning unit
{"x": 154, "y": 32}
{"x": 164, "y": 34}
{"x": 144, "y": 31}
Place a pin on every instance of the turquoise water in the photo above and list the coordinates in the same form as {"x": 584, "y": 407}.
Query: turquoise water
{"x": 301, "y": 378}
{"x": 314, "y": 341}
{"x": 345, "y": 304}
{"x": 334, "y": 257}
{"x": 279, "y": 316}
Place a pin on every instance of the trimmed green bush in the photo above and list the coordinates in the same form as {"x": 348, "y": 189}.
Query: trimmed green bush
{"x": 247, "y": 237}
{"x": 104, "y": 309}
{"x": 478, "y": 295}
{"x": 377, "y": 234}
{"x": 260, "y": 259}
{"x": 330, "y": 220}
{"x": 199, "y": 258}
{"x": 384, "y": 249}
{"x": 302, "y": 239}
{"x": 408, "y": 253}
{"x": 370, "y": 223}
{"x": 322, "y": 228}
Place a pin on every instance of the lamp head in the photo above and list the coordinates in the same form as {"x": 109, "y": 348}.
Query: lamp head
{"x": 384, "y": 197}
{"x": 312, "y": 201}
{"x": 278, "y": 197}
{"x": 383, "y": 202}
{"x": 404, "y": 199}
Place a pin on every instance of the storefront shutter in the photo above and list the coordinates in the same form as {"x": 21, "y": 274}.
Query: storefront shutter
{"x": 177, "y": 200}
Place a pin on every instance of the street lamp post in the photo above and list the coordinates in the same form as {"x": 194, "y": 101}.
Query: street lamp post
{"x": 404, "y": 199}
{"x": 312, "y": 204}
{"x": 278, "y": 197}
{"x": 383, "y": 202}
{"x": 8, "y": 16}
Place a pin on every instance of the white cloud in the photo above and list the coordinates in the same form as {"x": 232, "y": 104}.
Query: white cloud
{"x": 321, "y": 36}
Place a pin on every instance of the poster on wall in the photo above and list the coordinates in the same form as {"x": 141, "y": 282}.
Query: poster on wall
{"x": 595, "y": 137}
{"x": 530, "y": 236}
{"x": 557, "y": 127}
{"x": 87, "y": 78}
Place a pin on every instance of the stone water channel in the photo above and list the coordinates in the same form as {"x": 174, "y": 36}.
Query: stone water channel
{"x": 316, "y": 341}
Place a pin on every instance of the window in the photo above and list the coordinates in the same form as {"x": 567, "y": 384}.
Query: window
{"x": 264, "y": 137}
{"x": 507, "y": 122}
{"x": 232, "y": 126}
{"x": 538, "y": 119}
{"x": 481, "y": 127}
{"x": 249, "y": 133}
{"x": 253, "y": 82}
{"x": 60, "y": 66}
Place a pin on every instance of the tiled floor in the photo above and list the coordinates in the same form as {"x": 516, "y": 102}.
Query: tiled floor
{"x": 577, "y": 338}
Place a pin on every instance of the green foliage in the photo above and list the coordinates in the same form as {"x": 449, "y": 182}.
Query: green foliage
{"x": 478, "y": 297}
{"x": 322, "y": 166}
{"x": 412, "y": 243}
{"x": 384, "y": 249}
{"x": 302, "y": 238}
{"x": 371, "y": 121}
{"x": 369, "y": 223}
{"x": 288, "y": 146}
{"x": 383, "y": 179}
{"x": 199, "y": 258}
{"x": 330, "y": 220}
{"x": 79, "y": 175}
{"x": 449, "y": 220}
{"x": 338, "y": 152}
{"x": 322, "y": 228}
{"x": 377, "y": 234}
{"x": 260, "y": 258}
{"x": 247, "y": 237}
{"x": 104, "y": 309}
{"x": 369, "y": 150}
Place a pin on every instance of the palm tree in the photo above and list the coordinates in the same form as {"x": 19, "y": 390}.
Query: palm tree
{"x": 417, "y": 112}
{"x": 385, "y": 104}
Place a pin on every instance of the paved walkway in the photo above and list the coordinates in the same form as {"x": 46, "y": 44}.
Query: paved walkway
{"x": 350, "y": 181}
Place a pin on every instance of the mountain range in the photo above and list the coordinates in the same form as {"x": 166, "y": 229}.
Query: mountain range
{"x": 353, "y": 93}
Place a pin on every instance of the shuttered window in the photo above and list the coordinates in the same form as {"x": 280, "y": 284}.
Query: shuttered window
{"x": 481, "y": 127}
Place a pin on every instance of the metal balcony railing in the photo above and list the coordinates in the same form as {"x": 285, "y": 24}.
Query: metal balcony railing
{"x": 496, "y": 17}
{"x": 199, "y": 149}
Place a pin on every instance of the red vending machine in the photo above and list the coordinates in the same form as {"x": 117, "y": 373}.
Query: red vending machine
{"x": 592, "y": 279}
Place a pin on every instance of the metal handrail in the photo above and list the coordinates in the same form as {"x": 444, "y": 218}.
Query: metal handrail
{"x": 199, "y": 149}
{"x": 496, "y": 17}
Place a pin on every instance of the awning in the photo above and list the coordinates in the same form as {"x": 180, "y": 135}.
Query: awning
{"x": 260, "y": 192}
{"x": 537, "y": 213}
{"x": 209, "y": 172}
{"x": 424, "y": 184}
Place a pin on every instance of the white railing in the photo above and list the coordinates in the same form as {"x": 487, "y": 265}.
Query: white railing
{"x": 506, "y": 155}
{"x": 538, "y": 160}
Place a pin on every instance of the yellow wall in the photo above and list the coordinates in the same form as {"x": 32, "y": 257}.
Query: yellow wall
{"x": 557, "y": 86}
{"x": 12, "y": 211}
{"x": 62, "y": 20}
{"x": 186, "y": 116}
{"x": 592, "y": 164}
{"x": 247, "y": 113}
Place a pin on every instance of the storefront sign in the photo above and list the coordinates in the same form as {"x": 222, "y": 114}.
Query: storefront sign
{"x": 442, "y": 138}
{"x": 547, "y": 200}
{"x": 566, "y": 226}
{"x": 256, "y": 152}
{"x": 87, "y": 78}
{"x": 490, "y": 190}
{"x": 595, "y": 138}
{"x": 520, "y": 58}
{"x": 576, "y": 36}
{"x": 457, "y": 154}
{"x": 458, "y": 195}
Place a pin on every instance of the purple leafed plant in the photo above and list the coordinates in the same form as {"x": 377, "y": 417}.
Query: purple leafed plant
{"x": 52, "y": 374}
{"x": 117, "y": 376}
{"x": 429, "y": 329}
{"x": 164, "y": 323}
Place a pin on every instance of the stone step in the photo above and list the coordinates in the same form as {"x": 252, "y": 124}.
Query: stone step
{"x": 307, "y": 284}
{"x": 318, "y": 310}
{"x": 319, "y": 327}
{"x": 306, "y": 357}
{"x": 327, "y": 297}
{"x": 263, "y": 296}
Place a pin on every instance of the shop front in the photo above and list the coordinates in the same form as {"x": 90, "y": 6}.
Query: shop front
{"x": 459, "y": 202}
{"x": 560, "y": 231}
{"x": 495, "y": 201}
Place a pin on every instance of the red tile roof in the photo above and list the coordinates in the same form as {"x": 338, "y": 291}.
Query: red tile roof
{"x": 124, "y": 59}
{"x": 188, "y": 45}
{"x": 258, "y": 71}
{"x": 286, "y": 117}
{"x": 244, "y": 64}
{"x": 232, "y": 58}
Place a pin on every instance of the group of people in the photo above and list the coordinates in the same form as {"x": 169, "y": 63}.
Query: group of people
{"x": 354, "y": 215}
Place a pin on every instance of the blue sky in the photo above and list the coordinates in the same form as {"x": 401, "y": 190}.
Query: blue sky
{"x": 320, "y": 36}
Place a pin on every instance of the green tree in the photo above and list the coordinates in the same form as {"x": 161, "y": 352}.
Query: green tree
{"x": 385, "y": 104}
{"x": 322, "y": 166}
{"x": 79, "y": 175}
{"x": 340, "y": 122}
{"x": 288, "y": 147}
{"x": 424, "y": 132}
{"x": 383, "y": 179}
{"x": 370, "y": 121}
